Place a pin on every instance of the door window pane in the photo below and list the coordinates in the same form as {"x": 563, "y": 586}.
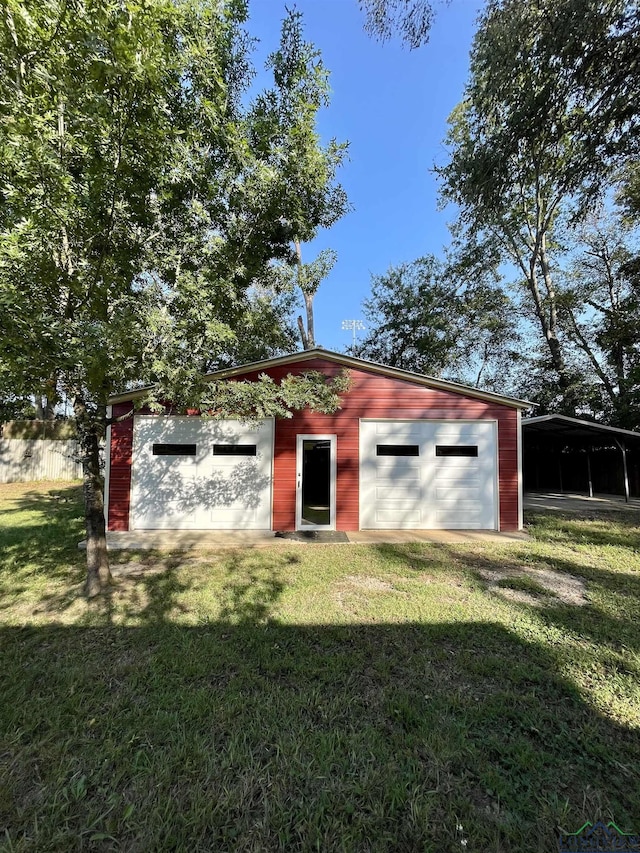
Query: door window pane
{"x": 316, "y": 482}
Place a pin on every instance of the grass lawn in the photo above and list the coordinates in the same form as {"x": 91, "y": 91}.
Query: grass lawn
{"x": 422, "y": 697}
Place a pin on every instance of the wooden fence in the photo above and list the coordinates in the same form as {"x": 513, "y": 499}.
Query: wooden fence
{"x": 23, "y": 460}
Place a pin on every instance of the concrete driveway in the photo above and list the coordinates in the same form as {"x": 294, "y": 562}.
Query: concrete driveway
{"x": 571, "y": 502}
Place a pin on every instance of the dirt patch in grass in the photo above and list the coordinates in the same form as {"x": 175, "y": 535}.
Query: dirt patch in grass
{"x": 370, "y": 584}
{"x": 536, "y": 586}
{"x": 354, "y": 590}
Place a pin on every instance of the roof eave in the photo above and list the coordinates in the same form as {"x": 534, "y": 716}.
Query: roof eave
{"x": 586, "y": 425}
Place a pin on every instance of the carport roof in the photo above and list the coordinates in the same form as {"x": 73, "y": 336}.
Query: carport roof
{"x": 563, "y": 426}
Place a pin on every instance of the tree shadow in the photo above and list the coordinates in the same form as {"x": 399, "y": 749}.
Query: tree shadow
{"x": 613, "y": 597}
{"x": 620, "y": 529}
{"x": 251, "y": 589}
{"x": 248, "y": 734}
{"x": 255, "y": 735}
{"x": 40, "y": 546}
{"x": 173, "y": 496}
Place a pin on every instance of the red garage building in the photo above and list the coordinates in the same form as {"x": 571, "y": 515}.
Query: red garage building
{"x": 405, "y": 451}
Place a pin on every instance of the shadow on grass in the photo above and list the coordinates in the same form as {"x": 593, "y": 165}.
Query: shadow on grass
{"x": 253, "y": 736}
{"x": 149, "y": 590}
{"x": 621, "y": 529}
{"x": 610, "y": 619}
{"x": 247, "y": 734}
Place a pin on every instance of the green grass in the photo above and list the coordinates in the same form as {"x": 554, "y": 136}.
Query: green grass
{"x": 316, "y": 697}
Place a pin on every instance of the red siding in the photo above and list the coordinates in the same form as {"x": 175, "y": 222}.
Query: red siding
{"x": 375, "y": 396}
{"x": 120, "y": 468}
{"x": 371, "y": 396}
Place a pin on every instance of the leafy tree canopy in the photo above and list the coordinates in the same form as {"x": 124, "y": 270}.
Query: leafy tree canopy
{"x": 549, "y": 114}
{"x": 410, "y": 20}
{"x": 423, "y": 317}
{"x": 144, "y": 194}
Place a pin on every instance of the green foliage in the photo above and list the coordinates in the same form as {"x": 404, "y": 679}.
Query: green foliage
{"x": 262, "y": 398}
{"x": 15, "y": 408}
{"x": 52, "y": 430}
{"x": 567, "y": 77}
{"x": 423, "y": 318}
{"x": 144, "y": 196}
{"x": 549, "y": 113}
{"x": 409, "y": 319}
{"x": 600, "y": 313}
{"x": 411, "y": 21}
{"x": 307, "y": 277}
{"x": 142, "y": 201}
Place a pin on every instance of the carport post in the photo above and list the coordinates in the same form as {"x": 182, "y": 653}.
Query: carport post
{"x": 589, "y": 471}
{"x": 625, "y": 472}
{"x": 560, "y": 467}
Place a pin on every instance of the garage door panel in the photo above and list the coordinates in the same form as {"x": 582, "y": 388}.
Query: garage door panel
{"x": 401, "y": 475}
{"x": 456, "y": 493}
{"x": 401, "y": 428}
{"x": 458, "y": 475}
{"x": 470, "y": 517}
{"x": 397, "y": 463}
{"x": 233, "y": 517}
{"x": 451, "y": 482}
{"x": 204, "y": 490}
{"x": 399, "y": 517}
{"x": 398, "y": 492}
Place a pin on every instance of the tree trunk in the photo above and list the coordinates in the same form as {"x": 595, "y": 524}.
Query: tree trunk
{"x": 90, "y": 429}
{"x": 307, "y": 334}
{"x": 308, "y": 302}
{"x": 565, "y": 380}
{"x": 303, "y": 333}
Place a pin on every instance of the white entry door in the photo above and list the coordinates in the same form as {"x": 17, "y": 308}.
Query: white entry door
{"x": 428, "y": 475}
{"x": 201, "y": 474}
{"x": 316, "y": 482}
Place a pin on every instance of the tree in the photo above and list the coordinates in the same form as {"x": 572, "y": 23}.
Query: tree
{"x": 142, "y": 202}
{"x": 308, "y": 170}
{"x": 565, "y": 74}
{"x": 549, "y": 114}
{"x": 513, "y": 173}
{"x": 423, "y": 318}
{"x": 410, "y": 19}
{"x": 305, "y": 278}
{"x": 600, "y": 313}
{"x": 410, "y": 323}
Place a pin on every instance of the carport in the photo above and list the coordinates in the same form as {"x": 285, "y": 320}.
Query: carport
{"x": 566, "y": 454}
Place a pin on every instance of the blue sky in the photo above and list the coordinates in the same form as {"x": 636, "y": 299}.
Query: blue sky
{"x": 391, "y": 104}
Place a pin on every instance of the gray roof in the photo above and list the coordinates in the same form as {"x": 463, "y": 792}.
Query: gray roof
{"x": 562, "y": 426}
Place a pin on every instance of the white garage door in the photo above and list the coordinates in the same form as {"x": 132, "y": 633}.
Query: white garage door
{"x": 428, "y": 475}
{"x": 199, "y": 474}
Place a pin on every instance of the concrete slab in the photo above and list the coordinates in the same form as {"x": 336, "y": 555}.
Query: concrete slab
{"x": 577, "y": 503}
{"x": 454, "y": 537}
{"x": 186, "y": 540}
